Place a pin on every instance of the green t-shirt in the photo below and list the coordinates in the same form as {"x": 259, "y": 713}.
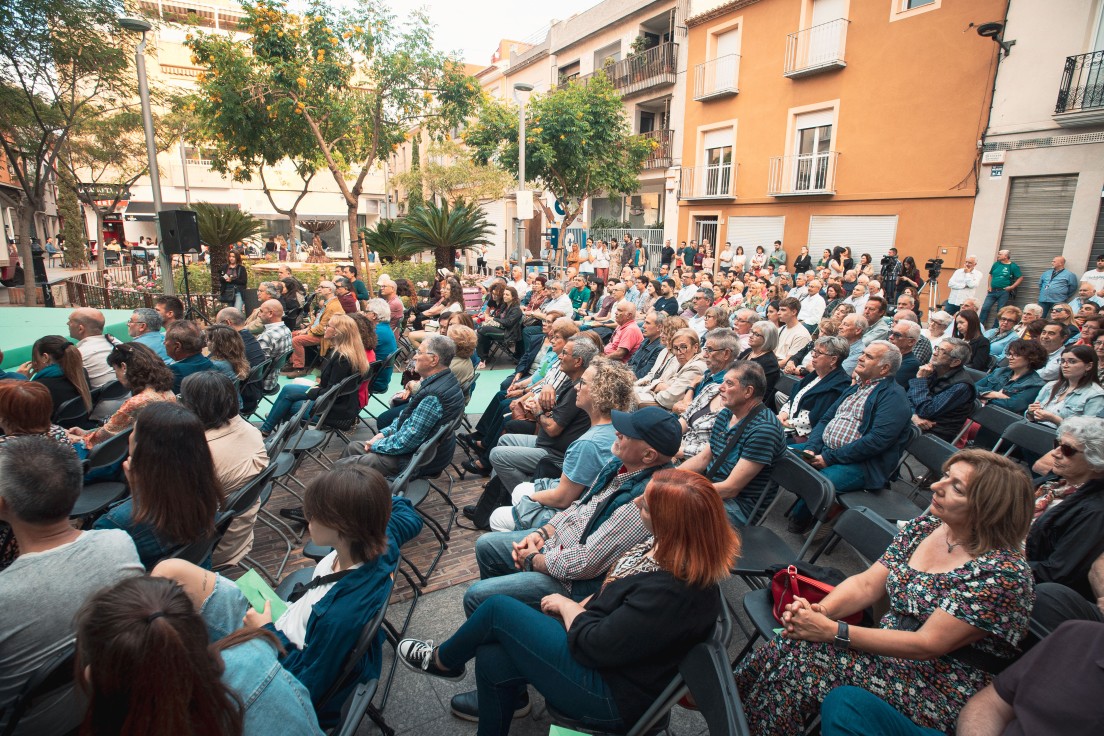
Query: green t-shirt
{"x": 1003, "y": 275}
{"x": 688, "y": 256}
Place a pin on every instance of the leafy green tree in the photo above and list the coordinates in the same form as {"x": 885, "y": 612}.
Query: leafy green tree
{"x": 414, "y": 196}
{"x": 357, "y": 77}
{"x": 450, "y": 173}
{"x": 221, "y": 227}
{"x": 445, "y": 229}
{"x": 63, "y": 64}
{"x": 578, "y": 144}
{"x": 389, "y": 242}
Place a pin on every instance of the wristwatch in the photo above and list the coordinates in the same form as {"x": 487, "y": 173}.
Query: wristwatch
{"x": 528, "y": 564}
{"x": 843, "y": 636}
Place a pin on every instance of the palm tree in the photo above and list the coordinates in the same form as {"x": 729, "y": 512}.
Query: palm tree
{"x": 389, "y": 242}
{"x": 221, "y": 227}
{"x": 446, "y": 229}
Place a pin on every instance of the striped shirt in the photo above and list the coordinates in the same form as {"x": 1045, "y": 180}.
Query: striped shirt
{"x": 763, "y": 442}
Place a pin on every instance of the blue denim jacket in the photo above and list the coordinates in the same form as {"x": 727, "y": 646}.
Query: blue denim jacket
{"x": 275, "y": 702}
{"x": 151, "y": 548}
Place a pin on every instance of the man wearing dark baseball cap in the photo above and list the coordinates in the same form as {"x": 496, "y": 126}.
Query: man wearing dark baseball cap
{"x": 571, "y": 553}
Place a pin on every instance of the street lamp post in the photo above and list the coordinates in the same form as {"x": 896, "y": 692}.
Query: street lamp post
{"x": 141, "y": 25}
{"x": 520, "y": 87}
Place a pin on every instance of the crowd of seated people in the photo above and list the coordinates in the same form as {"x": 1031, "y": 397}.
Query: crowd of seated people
{"x": 626, "y": 428}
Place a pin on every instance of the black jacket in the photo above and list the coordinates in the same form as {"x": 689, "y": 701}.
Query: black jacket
{"x": 637, "y": 629}
{"x": 1065, "y": 541}
{"x": 336, "y": 369}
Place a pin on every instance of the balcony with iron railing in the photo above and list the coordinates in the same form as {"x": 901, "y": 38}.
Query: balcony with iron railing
{"x": 817, "y": 49}
{"x": 717, "y": 77}
{"x": 194, "y": 13}
{"x": 804, "y": 174}
{"x": 660, "y": 157}
{"x": 1081, "y": 93}
{"x": 641, "y": 72}
{"x": 711, "y": 181}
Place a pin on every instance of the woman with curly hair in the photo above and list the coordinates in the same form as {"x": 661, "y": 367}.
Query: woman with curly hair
{"x": 606, "y": 386}
{"x": 149, "y": 380}
{"x": 227, "y": 351}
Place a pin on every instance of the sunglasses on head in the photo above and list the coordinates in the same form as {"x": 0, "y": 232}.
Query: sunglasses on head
{"x": 1066, "y": 449}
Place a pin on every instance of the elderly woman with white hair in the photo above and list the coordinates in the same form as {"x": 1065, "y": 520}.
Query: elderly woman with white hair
{"x": 763, "y": 339}
{"x": 1067, "y": 534}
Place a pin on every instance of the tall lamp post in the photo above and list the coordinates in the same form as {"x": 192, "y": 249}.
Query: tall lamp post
{"x": 522, "y": 196}
{"x": 141, "y": 25}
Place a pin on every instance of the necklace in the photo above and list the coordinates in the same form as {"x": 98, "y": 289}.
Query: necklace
{"x": 950, "y": 546}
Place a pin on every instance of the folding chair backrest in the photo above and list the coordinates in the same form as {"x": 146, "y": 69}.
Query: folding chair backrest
{"x": 931, "y": 452}
{"x": 708, "y": 675}
{"x": 275, "y": 365}
{"x": 402, "y": 480}
{"x": 470, "y": 390}
{"x": 322, "y": 405}
{"x": 109, "y": 452}
{"x": 278, "y": 440}
{"x": 1035, "y": 438}
{"x": 801, "y": 479}
{"x": 974, "y": 374}
{"x": 198, "y": 551}
{"x": 256, "y": 375}
{"x": 785, "y": 384}
{"x": 435, "y": 464}
{"x": 110, "y": 391}
{"x": 367, "y": 637}
{"x": 995, "y": 419}
{"x": 54, "y": 674}
{"x": 70, "y": 413}
{"x": 240, "y": 500}
{"x": 869, "y": 534}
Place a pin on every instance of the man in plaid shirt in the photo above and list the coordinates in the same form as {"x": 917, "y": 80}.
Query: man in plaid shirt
{"x": 571, "y": 553}
{"x": 858, "y": 441}
{"x": 275, "y": 340}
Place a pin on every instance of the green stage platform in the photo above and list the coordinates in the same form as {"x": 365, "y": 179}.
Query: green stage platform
{"x": 21, "y": 326}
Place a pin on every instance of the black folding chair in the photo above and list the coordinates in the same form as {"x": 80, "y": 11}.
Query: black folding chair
{"x": 1032, "y": 439}
{"x": 995, "y": 420}
{"x": 110, "y": 391}
{"x": 706, "y": 675}
{"x": 258, "y": 487}
{"x": 71, "y": 413}
{"x": 199, "y": 551}
{"x": 96, "y": 497}
{"x": 250, "y": 388}
{"x": 56, "y": 673}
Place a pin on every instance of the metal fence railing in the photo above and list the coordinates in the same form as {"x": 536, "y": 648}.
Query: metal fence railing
{"x": 717, "y": 77}
{"x": 817, "y": 48}
{"x": 807, "y": 173}
{"x": 1082, "y": 86}
{"x": 121, "y": 290}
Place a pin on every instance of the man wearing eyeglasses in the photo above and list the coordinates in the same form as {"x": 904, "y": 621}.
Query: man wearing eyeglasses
{"x": 703, "y": 300}
{"x": 1056, "y": 285}
{"x": 905, "y": 334}
{"x": 144, "y": 326}
{"x": 923, "y": 347}
{"x": 857, "y": 443}
{"x": 942, "y": 394}
{"x": 1053, "y": 339}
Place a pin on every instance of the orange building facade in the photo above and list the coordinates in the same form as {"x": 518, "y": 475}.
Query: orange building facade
{"x": 836, "y": 122}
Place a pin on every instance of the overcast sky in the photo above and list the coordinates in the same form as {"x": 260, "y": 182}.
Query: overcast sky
{"x": 474, "y": 27}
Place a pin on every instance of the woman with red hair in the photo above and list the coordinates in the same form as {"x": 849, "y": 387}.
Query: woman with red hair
{"x": 603, "y": 660}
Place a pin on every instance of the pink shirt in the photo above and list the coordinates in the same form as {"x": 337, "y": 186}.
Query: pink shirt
{"x": 626, "y": 336}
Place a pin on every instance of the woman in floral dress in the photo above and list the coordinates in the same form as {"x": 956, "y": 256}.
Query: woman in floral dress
{"x": 956, "y": 579}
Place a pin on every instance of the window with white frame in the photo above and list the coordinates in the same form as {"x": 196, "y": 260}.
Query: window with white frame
{"x": 717, "y": 169}
{"x": 812, "y": 150}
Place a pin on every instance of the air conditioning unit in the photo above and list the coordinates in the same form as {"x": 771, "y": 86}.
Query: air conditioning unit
{"x": 992, "y": 157}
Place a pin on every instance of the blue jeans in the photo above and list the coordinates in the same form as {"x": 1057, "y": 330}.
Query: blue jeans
{"x": 845, "y": 478}
{"x": 384, "y": 420}
{"x": 512, "y": 645}
{"x": 852, "y": 711}
{"x": 499, "y": 576}
{"x": 998, "y": 298}
{"x": 289, "y": 400}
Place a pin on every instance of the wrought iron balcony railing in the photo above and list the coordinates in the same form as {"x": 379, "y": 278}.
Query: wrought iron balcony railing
{"x": 640, "y": 72}
{"x": 661, "y": 154}
{"x": 807, "y": 173}
{"x": 1082, "y": 85}
{"x": 816, "y": 49}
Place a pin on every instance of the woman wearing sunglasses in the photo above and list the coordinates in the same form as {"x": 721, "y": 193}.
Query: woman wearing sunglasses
{"x": 1067, "y": 533}
{"x": 1077, "y": 391}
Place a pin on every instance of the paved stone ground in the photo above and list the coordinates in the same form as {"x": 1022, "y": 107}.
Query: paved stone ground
{"x": 419, "y": 704}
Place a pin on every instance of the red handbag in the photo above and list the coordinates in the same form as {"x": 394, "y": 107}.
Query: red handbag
{"x": 788, "y": 583}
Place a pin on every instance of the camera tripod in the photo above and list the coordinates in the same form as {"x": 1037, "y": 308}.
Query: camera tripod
{"x": 933, "y": 292}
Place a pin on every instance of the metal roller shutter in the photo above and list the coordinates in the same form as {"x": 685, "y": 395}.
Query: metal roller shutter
{"x": 1035, "y": 224}
{"x": 873, "y": 234}
{"x": 752, "y": 231}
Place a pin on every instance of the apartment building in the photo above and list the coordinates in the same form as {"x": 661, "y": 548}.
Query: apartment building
{"x": 1042, "y": 173}
{"x": 835, "y": 122}
{"x": 641, "y": 45}
{"x": 186, "y": 175}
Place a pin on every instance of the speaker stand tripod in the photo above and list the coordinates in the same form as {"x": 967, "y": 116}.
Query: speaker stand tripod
{"x": 191, "y": 311}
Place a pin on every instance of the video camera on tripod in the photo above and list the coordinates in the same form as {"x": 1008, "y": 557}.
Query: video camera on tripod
{"x": 934, "y": 267}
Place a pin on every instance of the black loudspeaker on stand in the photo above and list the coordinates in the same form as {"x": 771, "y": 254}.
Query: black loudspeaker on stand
{"x": 179, "y": 236}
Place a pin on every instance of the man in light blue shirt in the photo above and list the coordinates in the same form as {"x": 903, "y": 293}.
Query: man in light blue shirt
{"x": 144, "y": 326}
{"x": 1056, "y": 285}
